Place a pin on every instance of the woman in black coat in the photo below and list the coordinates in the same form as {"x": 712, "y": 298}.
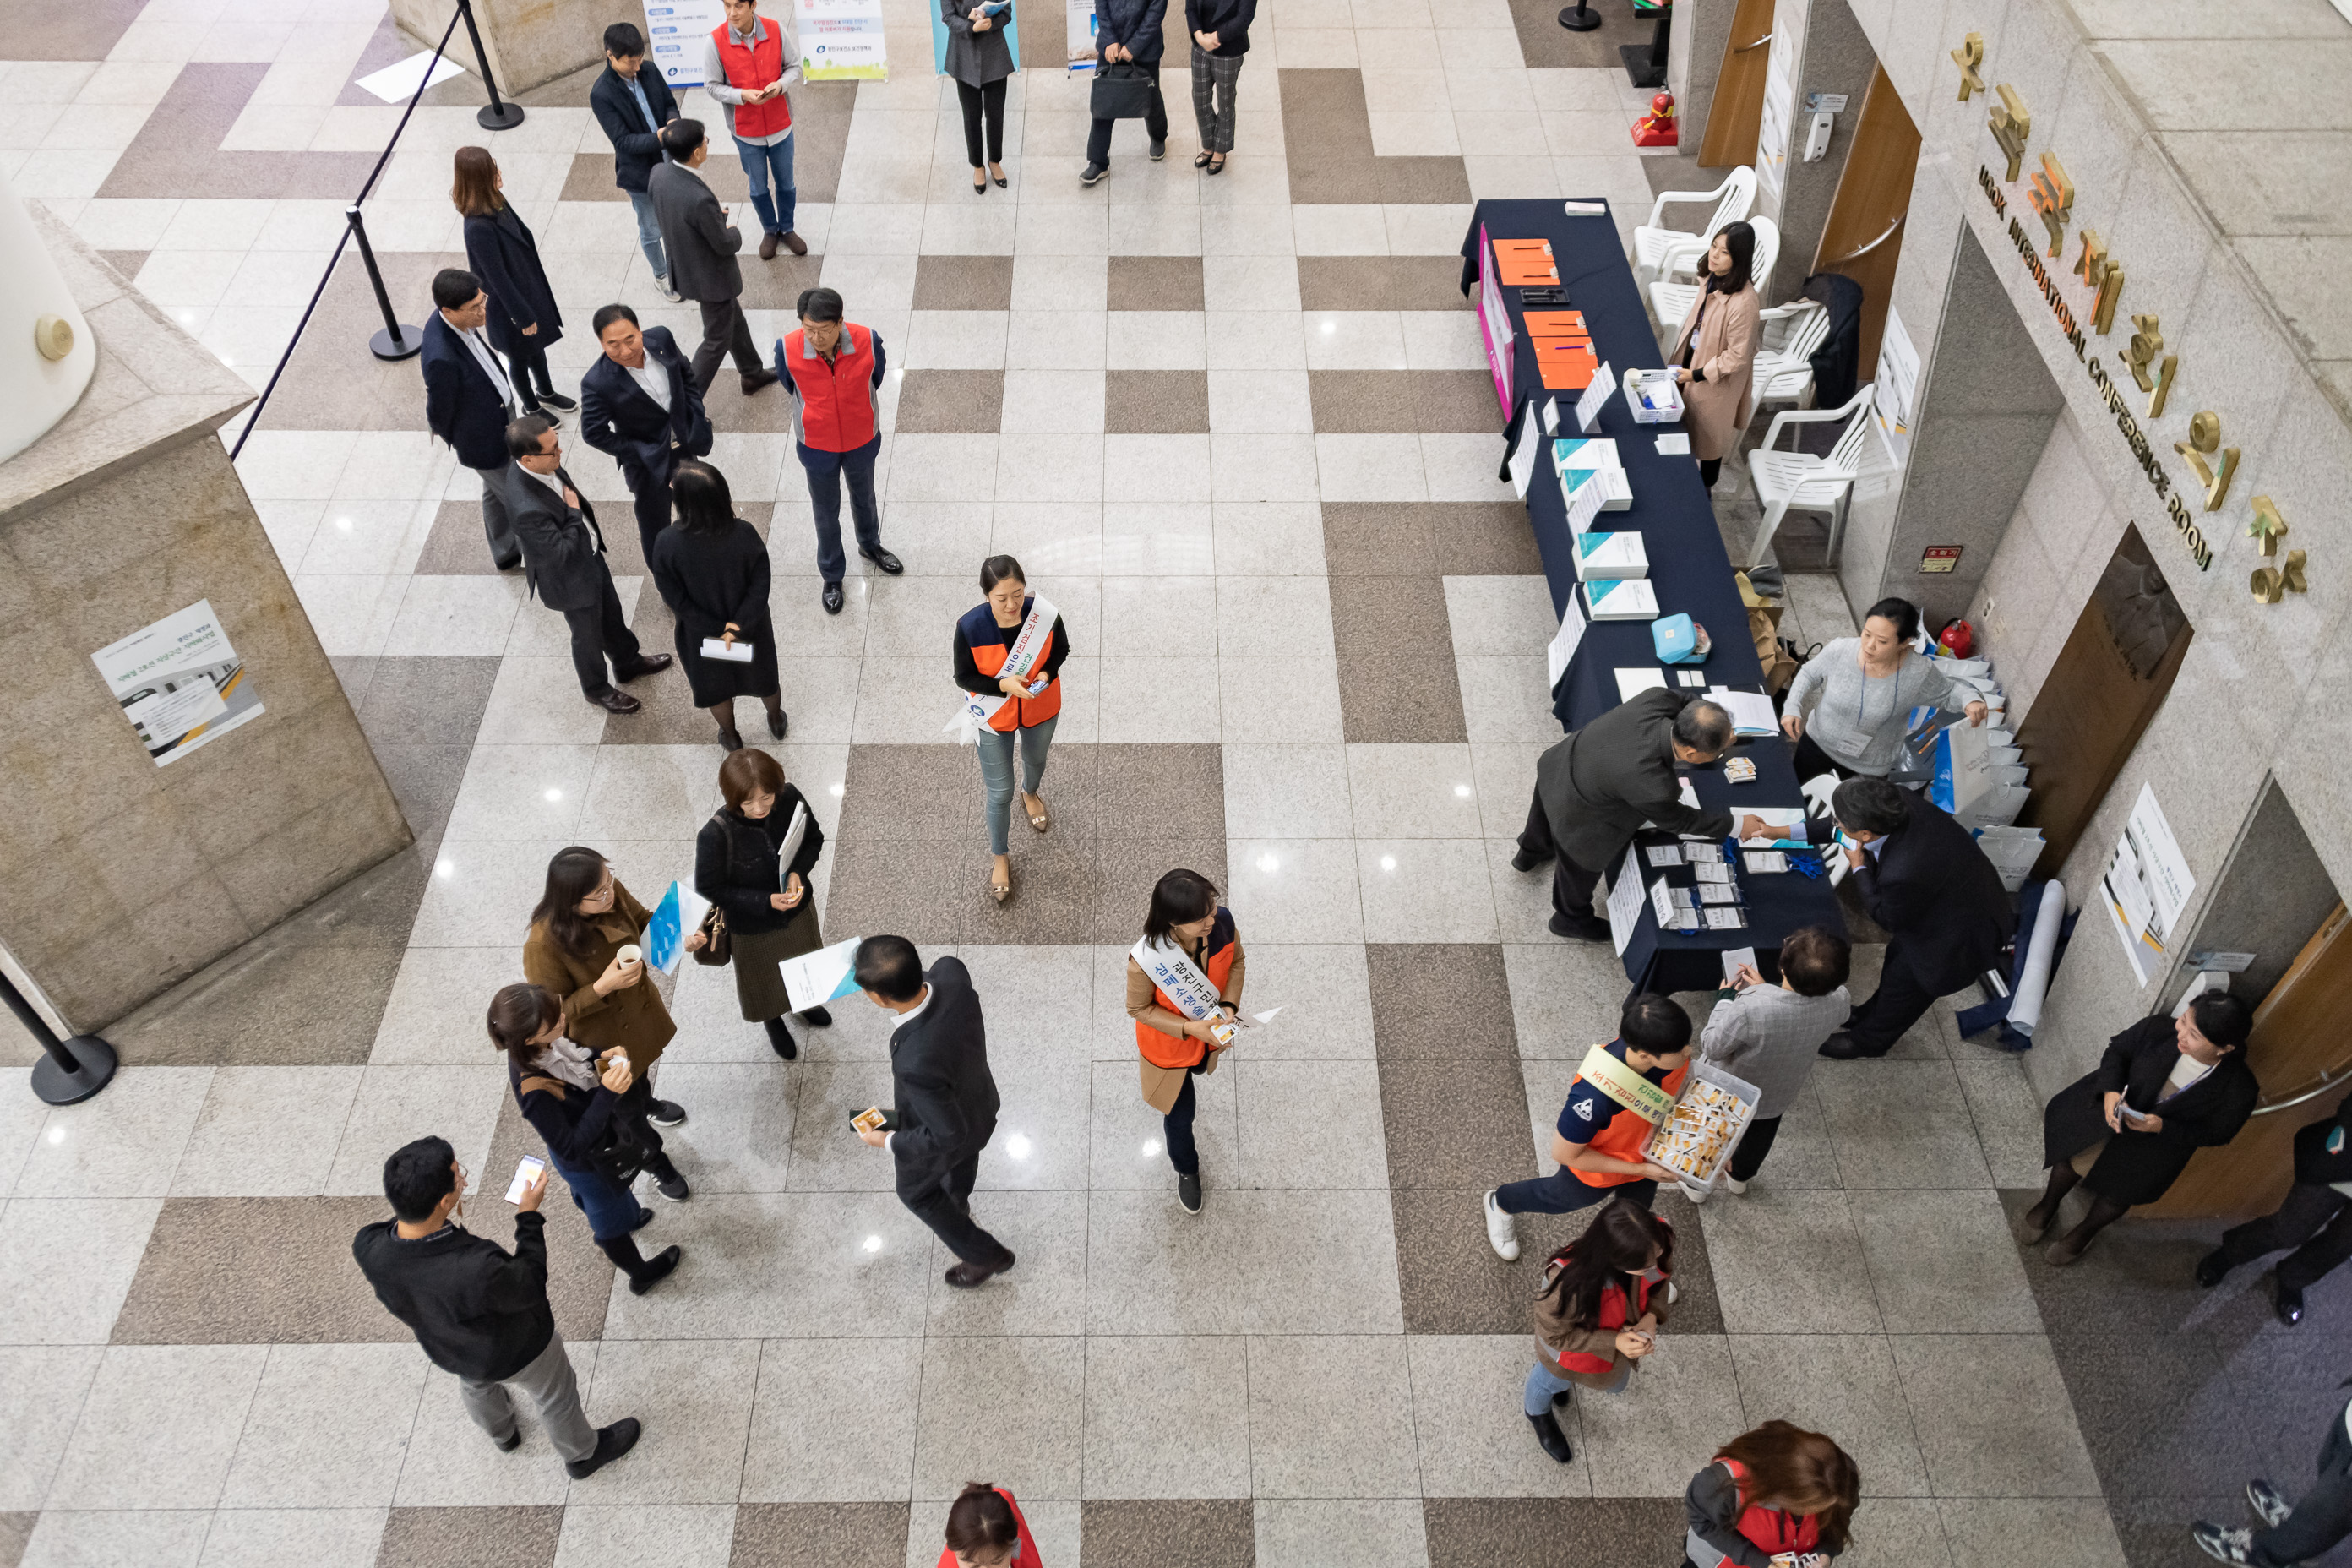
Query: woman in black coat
{"x": 500, "y": 252}
{"x": 771, "y": 914}
{"x": 712, "y": 568}
{"x": 2162, "y": 1090}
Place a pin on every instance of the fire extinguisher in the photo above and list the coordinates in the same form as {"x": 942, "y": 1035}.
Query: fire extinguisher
{"x": 1958, "y": 640}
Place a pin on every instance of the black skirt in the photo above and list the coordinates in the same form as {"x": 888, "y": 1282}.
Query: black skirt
{"x": 717, "y": 681}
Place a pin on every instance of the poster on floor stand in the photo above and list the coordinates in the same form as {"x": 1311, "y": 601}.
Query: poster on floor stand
{"x": 1081, "y": 24}
{"x": 841, "y": 40}
{"x": 674, "y": 33}
{"x": 1009, "y": 19}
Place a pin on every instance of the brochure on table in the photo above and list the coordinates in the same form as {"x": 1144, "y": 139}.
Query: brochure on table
{"x": 1562, "y": 651}
{"x": 1625, "y": 900}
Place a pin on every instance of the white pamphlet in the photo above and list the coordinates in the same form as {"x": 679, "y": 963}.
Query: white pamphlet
{"x": 1586, "y": 209}
{"x": 1674, "y": 443}
{"x": 1625, "y": 905}
{"x": 1596, "y": 394}
{"x": 789, "y": 851}
{"x": 813, "y": 979}
{"x": 1632, "y": 683}
{"x": 1551, "y": 415}
{"x": 1266, "y": 1016}
{"x": 1688, "y": 795}
{"x": 1733, "y": 958}
{"x": 1766, "y": 860}
{"x": 1562, "y": 651}
{"x": 733, "y": 653}
{"x": 1663, "y": 855}
{"x": 1523, "y": 457}
{"x": 1751, "y": 711}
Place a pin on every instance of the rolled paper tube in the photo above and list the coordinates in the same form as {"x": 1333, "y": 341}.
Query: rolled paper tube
{"x": 2025, "y": 1007}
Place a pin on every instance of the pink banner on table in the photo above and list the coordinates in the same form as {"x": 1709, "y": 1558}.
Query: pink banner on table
{"x": 1495, "y": 323}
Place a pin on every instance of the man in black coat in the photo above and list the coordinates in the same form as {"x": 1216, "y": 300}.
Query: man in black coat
{"x": 564, "y": 551}
{"x": 702, "y": 247}
{"x": 469, "y": 397}
{"x": 1947, "y": 916}
{"x": 2298, "y": 1532}
{"x": 2315, "y": 1219}
{"x": 1595, "y": 789}
{"x": 480, "y": 1311}
{"x": 639, "y": 403}
{"x": 632, "y": 104}
{"x": 944, "y": 1101}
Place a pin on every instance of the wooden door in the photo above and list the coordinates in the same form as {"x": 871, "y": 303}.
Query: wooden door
{"x": 2110, "y": 679}
{"x": 2302, "y": 1057}
{"x": 1737, "y": 107}
{"x": 1863, "y": 236}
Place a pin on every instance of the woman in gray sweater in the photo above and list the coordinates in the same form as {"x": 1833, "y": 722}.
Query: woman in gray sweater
{"x": 1848, "y": 708}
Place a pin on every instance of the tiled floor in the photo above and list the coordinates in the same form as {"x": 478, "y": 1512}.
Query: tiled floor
{"x": 1236, "y": 428}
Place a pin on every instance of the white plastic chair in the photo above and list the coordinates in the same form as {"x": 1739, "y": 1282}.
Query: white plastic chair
{"x": 1672, "y": 299}
{"x": 1783, "y": 368}
{"x": 1798, "y": 481}
{"x": 1734, "y": 200}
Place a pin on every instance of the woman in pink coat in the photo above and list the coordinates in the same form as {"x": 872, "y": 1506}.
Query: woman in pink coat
{"x": 1717, "y": 346}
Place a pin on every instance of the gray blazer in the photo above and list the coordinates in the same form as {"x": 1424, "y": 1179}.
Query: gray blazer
{"x": 1770, "y": 1036}
{"x": 694, "y": 232}
{"x": 975, "y": 59}
{"x": 1599, "y": 785}
{"x": 563, "y": 548}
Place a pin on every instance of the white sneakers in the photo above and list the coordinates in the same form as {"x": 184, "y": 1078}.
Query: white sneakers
{"x": 1696, "y": 1194}
{"x": 1733, "y": 1184}
{"x": 1500, "y": 1234}
{"x": 668, "y": 293}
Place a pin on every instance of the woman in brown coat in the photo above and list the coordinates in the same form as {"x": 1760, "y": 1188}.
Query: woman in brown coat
{"x": 1716, "y": 347}
{"x": 582, "y": 921}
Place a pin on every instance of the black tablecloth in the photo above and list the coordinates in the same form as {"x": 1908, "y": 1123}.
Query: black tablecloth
{"x": 1689, "y": 570}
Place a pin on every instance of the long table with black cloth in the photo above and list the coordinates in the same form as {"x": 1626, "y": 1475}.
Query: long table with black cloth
{"x": 1689, "y": 570}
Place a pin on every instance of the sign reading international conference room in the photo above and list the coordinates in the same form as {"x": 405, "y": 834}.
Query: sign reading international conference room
{"x": 179, "y": 683}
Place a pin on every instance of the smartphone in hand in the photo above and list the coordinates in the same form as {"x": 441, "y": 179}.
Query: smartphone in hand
{"x": 526, "y": 1173}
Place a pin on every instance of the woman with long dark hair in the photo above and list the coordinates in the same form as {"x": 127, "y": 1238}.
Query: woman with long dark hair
{"x": 1715, "y": 349}
{"x": 770, "y": 913}
{"x": 591, "y": 1112}
{"x": 985, "y": 1530}
{"x": 712, "y": 569}
{"x": 500, "y": 252}
{"x": 1184, "y": 993}
{"x": 1603, "y": 1299}
{"x": 1775, "y": 1496}
{"x": 583, "y": 920}
{"x": 1023, "y": 707}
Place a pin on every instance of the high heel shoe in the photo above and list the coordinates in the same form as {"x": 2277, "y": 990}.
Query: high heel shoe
{"x": 1001, "y": 181}
{"x": 1004, "y": 889}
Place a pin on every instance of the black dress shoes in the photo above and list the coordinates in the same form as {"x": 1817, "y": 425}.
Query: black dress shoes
{"x": 971, "y": 1276}
{"x": 832, "y": 598}
{"x": 778, "y": 722}
{"x": 617, "y": 702}
{"x": 1524, "y": 861}
{"x": 730, "y": 740}
{"x": 779, "y": 1040}
{"x": 659, "y": 1267}
{"x": 651, "y": 664}
{"x": 1843, "y": 1047}
{"x": 612, "y": 1442}
{"x": 815, "y": 1019}
{"x": 890, "y": 565}
{"x": 1554, "y": 1440}
{"x": 1582, "y": 928}
{"x": 753, "y": 380}
{"x": 2286, "y": 1301}
{"x": 2212, "y": 1268}
{"x": 513, "y": 1441}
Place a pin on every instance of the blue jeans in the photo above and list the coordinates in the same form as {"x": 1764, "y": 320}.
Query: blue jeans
{"x": 759, "y": 164}
{"x": 648, "y": 232}
{"x": 1562, "y": 1193}
{"x": 996, "y": 771}
{"x": 1537, "y": 1398}
{"x": 612, "y": 1209}
{"x": 826, "y": 472}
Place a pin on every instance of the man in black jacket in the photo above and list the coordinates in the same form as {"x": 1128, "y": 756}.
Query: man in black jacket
{"x": 480, "y": 1311}
{"x": 944, "y": 1100}
{"x": 702, "y": 247}
{"x": 639, "y": 403}
{"x": 2315, "y": 1219}
{"x": 564, "y": 551}
{"x": 469, "y": 397}
{"x": 1947, "y": 916}
{"x": 632, "y": 104}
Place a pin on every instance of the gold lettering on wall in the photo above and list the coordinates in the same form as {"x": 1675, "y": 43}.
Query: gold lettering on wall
{"x": 2148, "y": 341}
{"x": 2204, "y": 441}
{"x": 2053, "y": 195}
{"x": 2093, "y": 267}
{"x": 1969, "y": 57}
{"x": 2012, "y": 122}
{"x": 2271, "y": 584}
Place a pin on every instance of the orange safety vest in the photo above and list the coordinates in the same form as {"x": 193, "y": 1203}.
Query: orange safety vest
{"x": 755, "y": 66}
{"x": 1775, "y": 1530}
{"x": 1217, "y": 963}
{"x": 980, "y": 632}
{"x": 1626, "y": 1132}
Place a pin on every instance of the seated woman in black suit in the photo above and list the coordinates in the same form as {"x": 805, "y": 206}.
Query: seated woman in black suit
{"x": 2164, "y": 1090}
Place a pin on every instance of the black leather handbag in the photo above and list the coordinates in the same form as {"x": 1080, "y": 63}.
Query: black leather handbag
{"x": 1121, "y": 91}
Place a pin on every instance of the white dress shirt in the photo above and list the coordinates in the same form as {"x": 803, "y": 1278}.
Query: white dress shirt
{"x": 654, "y": 376}
{"x": 489, "y": 360}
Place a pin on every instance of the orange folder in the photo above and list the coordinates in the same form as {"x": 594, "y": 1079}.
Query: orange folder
{"x": 1519, "y": 263}
{"x": 1564, "y": 366}
{"x": 1556, "y": 324}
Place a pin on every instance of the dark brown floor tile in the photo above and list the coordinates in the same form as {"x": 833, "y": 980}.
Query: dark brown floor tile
{"x": 1483, "y": 538}
{"x": 1415, "y": 701}
{"x": 1346, "y": 283}
{"x": 1220, "y": 1532}
{"x": 1435, "y": 1001}
{"x": 1159, "y": 791}
{"x": 1365, "y": 622}
{"x": 457, "y": 547}
{"x": 1364, "y": 401}
{"x": 1052, "y": 902}
{"x": 1044, "y": 36}
{"x": 1448, "y": 1277}
{"x": 127, "y": 262}
{"x": 1544, "y": 43}
{"x": 1126, "y": 869}
{"x": 964, "y": 283}
{"x": 1156, "y": 402}
{"x": 1380, "y": 539}
{"x": 1455, "y": 401}
{"x": 427, "y": 700}
{"x": 952, "y": 402}
{"x": 15, "y": 1530}
{"x": 1156, "y": 283}
{"x": 1428, "y": 283}
{"x": 1428, "y": 182}
{"x": 1455, "y": 1125}
{"x": 1325, "y": 179}
{"x": 84, "y": 32}
{"x": 591, "y": 179}
{"x": 243, "y": 1271}
{"x": 469, "y": 1538}
{"x": 895, "y": 793}
{"x": 1544, "y": 1533}
{"x": 820, "y": 1535}
{"x": 1697, "y": 1310}
{"x": 1323, "y": 112}
{"x": 930, "y": 893}
{"x": 579, "y": 1278}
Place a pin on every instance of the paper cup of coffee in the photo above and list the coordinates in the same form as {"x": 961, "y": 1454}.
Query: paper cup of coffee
{"x": 631, "y": 953}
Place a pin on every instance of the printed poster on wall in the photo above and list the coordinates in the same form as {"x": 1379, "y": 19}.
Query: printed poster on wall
{"x": 180, "y": 683}
{"x": 2147, "y": 886}
{"x": 1898, "y": 383}
{"x": 1081, "y": 34}
{"x": 841, "y": 40}
{"x": 1008, "y": 18}
{"x": 674, "y": 33}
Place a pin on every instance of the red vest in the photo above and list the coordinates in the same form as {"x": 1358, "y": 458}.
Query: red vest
{"x": 1623, "y": 1137}
{"x": 836, "y": 397}
{"x": 755, "y": 66}
{"x": 988, "y": 657}
{"x": 1611, "y": 1315}
{"x": 1024, "y": 1555}
{"x": 1168, "y": 1050}
{"x": 1773, "y": 1530}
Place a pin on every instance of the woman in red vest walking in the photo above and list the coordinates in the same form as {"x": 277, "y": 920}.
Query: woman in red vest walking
{"x": 748, "y": 68}
{"x": 985, "y": 1530}
{"x": 832, "y": 367}
{"x": 1022, "y": 708}
{"x": 1604, "y": 1300}
{"x": 1772, "y": 1497}
{"x": 1178, "y": 1043}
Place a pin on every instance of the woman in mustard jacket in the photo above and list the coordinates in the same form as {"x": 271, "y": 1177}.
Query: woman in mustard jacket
{"x": 1716, "y": 350}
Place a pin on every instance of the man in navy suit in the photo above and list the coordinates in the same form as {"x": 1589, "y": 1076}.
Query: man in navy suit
{"x": 639, "y": 405}
{"x": 633, "y": 104}
{"x": 469, "y": 399}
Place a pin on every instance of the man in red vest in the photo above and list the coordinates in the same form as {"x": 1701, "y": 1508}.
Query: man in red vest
{"x": 832, "y": 367}
{"x": 747, "y": 67}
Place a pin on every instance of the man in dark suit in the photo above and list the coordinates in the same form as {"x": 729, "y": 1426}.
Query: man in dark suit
{"x": 632, "y": 104}
{"x": 564, "y": 551}
{"x": 2298, "y": 1532}
{"x": 1595, "y": 789}
{"x": 638, "y": 403}
{"x": 2315, "y": 1219}
{"x": 702, "y": 246}
{"x": 469, "y": 397}
{"x": 1946, "y": 913}
{"x": 944, "y": 1101}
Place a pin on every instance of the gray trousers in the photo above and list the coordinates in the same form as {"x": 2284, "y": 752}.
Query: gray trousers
{"x": 505, "y": 550}
{"x": 549, "y": 1383}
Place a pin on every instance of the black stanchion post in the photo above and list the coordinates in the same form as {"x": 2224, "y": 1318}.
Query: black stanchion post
{"x": 74, "y": 1069}
{"x": 1579, "y": 17}
{"x": 395, "y": 342}
{"x": 500, "y": 115}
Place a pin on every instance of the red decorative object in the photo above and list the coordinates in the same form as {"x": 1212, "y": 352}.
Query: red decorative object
{"x": 1958, "y": 640}
{"x": 1656, "y": 129}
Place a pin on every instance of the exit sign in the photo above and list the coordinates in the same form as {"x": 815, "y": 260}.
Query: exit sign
{"x": 1939, "y": 558}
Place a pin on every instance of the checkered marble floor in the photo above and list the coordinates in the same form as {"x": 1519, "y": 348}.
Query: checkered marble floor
{"x": 1240, "y": 430}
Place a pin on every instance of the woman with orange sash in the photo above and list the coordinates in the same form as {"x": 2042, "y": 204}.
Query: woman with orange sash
{"x": 1184, "y": 993}
{"x": 1604, "y": 1300}
{"x": 1623, "y": 1091}
{"x": 1779, "y": 1497}
{"x": 1009, "y": 652}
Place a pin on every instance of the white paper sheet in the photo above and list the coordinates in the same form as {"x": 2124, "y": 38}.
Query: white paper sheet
{"x": 816, "y": 978}
{"x": 733, "y": 653}
{"x": 1625, "y": 905}
{"x": 1733, "y": 957}
{"x": 398, "y": 83}
{"x": 1674, "y": 445}
{"x": 1523, "y": 457}
{"x": 1632, "y": 683}
{"x": 1562, "y": 651}
{"x": 789, "y": 851}
{"x": 1596, "y": 394}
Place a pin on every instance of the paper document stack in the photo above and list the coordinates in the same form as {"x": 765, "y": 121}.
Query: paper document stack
{"x": 1627, "y": 599}
{"x": 1592, "y": 460}
{"x": 1751, "y": 711}
{"x": 1608, "y": 557}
